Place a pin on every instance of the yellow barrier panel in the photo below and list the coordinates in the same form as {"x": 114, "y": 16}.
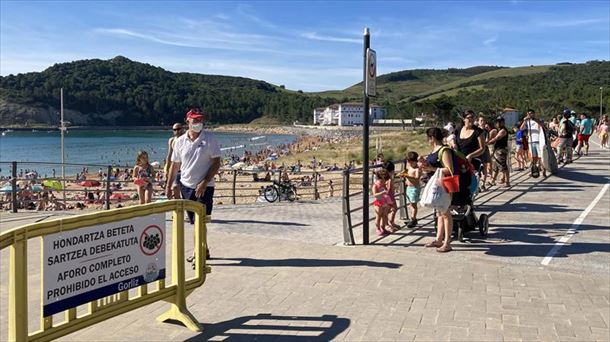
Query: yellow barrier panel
{"x": 107, "y": 307}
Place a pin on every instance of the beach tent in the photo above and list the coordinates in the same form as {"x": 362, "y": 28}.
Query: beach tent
{"x": 37, "y": 188}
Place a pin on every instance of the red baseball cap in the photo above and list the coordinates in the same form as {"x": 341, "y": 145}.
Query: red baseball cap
{"x": 195, "y": 113}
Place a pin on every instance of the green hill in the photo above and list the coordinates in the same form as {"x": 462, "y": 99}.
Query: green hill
{"x": 123, "y": 92}
{"x": 545, "y": 88}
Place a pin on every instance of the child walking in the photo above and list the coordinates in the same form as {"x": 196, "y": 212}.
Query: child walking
{"x": 519, "y": 141}
{"x": 143, "y": 177}
{"x": 412, "y": 176}
{"x": 380, "y": 204}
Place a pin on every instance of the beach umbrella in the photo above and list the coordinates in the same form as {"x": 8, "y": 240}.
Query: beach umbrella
{"x": 7, "y": 188}
{"x": 53, "y": 184}
{"x": 238, "y": 165}
{"x": 22, "y": 183}
{"x": 90, "y": 183}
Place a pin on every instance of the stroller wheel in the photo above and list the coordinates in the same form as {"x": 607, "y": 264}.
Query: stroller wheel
{"x": 460, "y": 233}
{"x": 483, "y": 224}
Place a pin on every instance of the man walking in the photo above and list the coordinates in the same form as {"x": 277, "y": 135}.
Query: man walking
{"x": 534, "y": 128}
{"x": 584, "y": 132}
{"x": 177, "y": 131}
{"x": 566, "y": 131}
{"x": 197, "y": 155}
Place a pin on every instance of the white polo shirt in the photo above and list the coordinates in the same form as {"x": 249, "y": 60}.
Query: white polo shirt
{"x": 195, "y": 157}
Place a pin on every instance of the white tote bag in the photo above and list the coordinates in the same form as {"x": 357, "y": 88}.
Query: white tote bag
{"x": 434, "y": 195}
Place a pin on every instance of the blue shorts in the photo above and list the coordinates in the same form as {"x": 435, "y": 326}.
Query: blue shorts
{"x": 206, "y": 199}
{"x": 413, "y": 193}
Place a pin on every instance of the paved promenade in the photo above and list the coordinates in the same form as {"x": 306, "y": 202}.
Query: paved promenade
{"x": 281, "y": 272}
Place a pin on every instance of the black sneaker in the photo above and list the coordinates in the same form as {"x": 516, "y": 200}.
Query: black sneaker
{"x": 412, "y": 223}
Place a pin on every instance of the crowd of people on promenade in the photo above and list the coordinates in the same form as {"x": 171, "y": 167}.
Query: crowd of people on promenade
{"x": 475, "y": 153}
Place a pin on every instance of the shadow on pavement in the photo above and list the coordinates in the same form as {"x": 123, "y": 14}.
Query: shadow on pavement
{"x": 261, "y": 222}
{"x": 524, "y": 208}
{"x": 267, "y": 327}
{"x": 531, "y": 240}
{"x": 535, "y": 250}
{"x": 577, "y": 176}
{"x": 297, "y": 262}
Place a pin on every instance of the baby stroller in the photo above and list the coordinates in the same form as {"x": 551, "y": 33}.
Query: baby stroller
{"x": 464, "y": 217}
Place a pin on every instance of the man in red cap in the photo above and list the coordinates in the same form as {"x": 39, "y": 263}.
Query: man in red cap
{"x": 197, "y": 155}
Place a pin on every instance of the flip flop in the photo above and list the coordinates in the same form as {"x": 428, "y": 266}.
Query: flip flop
{"x": 433, "y": 243}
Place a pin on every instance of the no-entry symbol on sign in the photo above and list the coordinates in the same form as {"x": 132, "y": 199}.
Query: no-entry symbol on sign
{"x": 151, "y": 240}
{"x": 371, "y": 72}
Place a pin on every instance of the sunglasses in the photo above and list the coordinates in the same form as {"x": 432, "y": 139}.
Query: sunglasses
{"x": 176, "y": 129}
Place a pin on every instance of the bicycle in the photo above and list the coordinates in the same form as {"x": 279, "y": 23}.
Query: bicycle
{"x": 279, "y": 190}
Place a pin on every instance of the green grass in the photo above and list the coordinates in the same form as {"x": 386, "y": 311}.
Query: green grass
{"x": 395, "y": 145}
{"x": 458, "y": 84}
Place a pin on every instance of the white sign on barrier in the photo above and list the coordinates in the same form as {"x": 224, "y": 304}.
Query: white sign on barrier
{"x": 93, "y": 262}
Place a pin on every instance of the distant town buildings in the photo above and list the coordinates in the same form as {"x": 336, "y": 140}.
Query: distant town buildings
{"x": 346, "y": 114}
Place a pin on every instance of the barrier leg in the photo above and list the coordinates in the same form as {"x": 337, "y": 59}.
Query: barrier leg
{"x": 178, "y": 310}
{"x": 18, "y": 292}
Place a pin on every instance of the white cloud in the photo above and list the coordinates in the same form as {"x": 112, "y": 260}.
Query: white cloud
{"x": 490, "y": 41}
{"x": 315, "y": 36}
{"x": 568, "y": 22}
{"x": 244, "y": 11}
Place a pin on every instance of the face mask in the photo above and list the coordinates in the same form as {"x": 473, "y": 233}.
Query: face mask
{"x": 197, "y": 127}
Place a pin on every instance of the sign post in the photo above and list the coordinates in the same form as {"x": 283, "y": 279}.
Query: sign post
{"x": 370, "y": 73}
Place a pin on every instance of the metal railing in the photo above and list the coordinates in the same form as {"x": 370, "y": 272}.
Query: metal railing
{"x": 352, "y": 187}
{"x": 232, "y": 186}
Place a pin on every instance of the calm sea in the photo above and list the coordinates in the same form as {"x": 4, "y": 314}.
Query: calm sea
{"x": 106, "y": 147}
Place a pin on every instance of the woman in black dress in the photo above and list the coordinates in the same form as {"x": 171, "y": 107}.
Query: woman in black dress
{"x": 470, "y": 140}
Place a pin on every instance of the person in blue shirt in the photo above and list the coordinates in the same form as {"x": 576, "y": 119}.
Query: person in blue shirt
{"x": 519, "y": 142}
{"x": 585, "y": 129}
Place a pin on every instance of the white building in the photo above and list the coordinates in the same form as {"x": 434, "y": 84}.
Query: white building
{"x": 346, "y": 114}
{"x": 318, "y": 115}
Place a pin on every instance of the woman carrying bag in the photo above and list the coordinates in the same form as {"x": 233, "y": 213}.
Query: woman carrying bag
{"x": 444, "y": 158}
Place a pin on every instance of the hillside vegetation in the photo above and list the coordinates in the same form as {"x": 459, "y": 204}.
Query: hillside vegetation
{"x": 547, "y": 89}
{"x": 124, "y": 92}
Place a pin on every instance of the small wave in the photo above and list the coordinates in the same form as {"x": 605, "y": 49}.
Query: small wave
{"x": 232, "y": 147}
{"x": 257, "y": 138}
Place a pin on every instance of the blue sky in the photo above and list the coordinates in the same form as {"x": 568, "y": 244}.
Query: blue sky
{"x": 305, "y": 45}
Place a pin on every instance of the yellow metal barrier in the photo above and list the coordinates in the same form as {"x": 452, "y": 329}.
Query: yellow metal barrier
{"x": 107, "y": 307}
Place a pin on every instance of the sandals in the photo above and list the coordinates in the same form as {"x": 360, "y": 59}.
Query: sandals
{"x": 444, "y": 249}
{"x": 433, "y": 243}
{"x": 381, "y": 232}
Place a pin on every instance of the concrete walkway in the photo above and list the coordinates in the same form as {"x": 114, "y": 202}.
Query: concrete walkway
{"x": 281, "y": 273}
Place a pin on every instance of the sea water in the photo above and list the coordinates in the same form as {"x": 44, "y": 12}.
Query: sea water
{"x": 109, "y": 147}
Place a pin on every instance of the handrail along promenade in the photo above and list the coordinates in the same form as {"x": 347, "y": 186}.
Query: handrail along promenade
{"x": 346, "y": 199}
{"x": 233, "y": 188}
{"x": 101, "y": 309}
